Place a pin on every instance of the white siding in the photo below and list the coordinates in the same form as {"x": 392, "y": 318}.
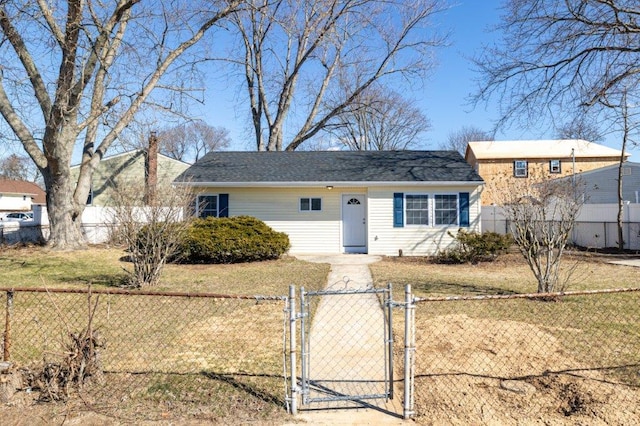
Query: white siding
{"x": 384, "y": 239}
{"x": 321, "y": 232}
{"x": 309, "y": 232}
{"x": 10, "y": 202}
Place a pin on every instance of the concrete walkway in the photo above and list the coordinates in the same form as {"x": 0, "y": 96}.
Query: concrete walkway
{"x": 627, "y": 262}
{"x": 347, "y": 346}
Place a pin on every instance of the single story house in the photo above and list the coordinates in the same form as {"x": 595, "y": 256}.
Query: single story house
{"x": 376, "y": 202}
{"x": 19, "y": 195}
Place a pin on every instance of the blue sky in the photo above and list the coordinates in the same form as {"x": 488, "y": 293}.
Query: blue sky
{"x": 443, "y": 98}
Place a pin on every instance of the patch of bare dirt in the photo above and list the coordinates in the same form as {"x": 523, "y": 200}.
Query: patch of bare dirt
{"x": 481, "y": 371}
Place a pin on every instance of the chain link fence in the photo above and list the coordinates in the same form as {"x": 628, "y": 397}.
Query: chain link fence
{"x": 570, "y": 359}
{"x": 143, "y": 355}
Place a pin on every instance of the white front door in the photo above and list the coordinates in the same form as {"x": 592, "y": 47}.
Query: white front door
{"x": 354, "y": 223}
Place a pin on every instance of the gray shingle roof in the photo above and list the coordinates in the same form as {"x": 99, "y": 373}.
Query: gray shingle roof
{"x": 331, "y": 166}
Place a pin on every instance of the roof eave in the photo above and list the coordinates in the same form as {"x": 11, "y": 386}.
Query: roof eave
{"x": 341, "y": 184}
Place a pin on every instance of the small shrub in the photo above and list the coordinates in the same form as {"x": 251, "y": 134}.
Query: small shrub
{"x": 473, "y": 247}
{"x": 232, "y": 240}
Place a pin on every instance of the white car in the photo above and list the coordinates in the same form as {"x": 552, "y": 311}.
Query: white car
{"x": 18, "y": 217}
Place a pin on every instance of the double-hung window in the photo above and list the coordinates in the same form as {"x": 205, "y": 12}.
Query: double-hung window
{"x": 445, "y": 209}
{"x": 207, "y": 205}
{"x": 430, "y": 209}
{"x": 417, "y": 209}
{"x": 554, "y": 166}
{"x": 520, "y": 168}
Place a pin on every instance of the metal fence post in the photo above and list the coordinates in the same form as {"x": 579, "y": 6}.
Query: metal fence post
{"x": 292, "y": 350}
{"x": 389, "y": 337}
{"x": 6, "y": 356}
{"x": 409, "y": 352}
{"x": 303, "y": 348}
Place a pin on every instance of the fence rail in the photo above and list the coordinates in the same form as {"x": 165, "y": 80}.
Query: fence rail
{"x": 150, "y": 349}
{"x": 595, "y": 227}
{"x": 569, "y": 358}
{"x": 563, "y": 357}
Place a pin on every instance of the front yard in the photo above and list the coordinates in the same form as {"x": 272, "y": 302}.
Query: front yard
{"x": 230, "y": 353}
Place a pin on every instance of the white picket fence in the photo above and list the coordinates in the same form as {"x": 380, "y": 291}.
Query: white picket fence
{"x": 595, "y": 227}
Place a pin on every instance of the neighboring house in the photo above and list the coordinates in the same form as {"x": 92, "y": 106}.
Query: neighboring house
{"x": 120, "y": 169}
{"x": 601, "y": 185}
{"x": 503, "y": 162}
{"x": 19, "y": 195}
{"x": 376, "y": 202}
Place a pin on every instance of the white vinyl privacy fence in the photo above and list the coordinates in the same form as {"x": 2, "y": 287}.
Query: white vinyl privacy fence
{"x": 97, "y": 223}
{"x": 595, "y": 227}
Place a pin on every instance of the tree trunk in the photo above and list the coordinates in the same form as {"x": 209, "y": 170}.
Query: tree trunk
{"x": 65, "y": 216}
{"x": 620, "y": 209}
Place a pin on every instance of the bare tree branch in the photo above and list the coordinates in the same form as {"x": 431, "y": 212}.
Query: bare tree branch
{"x": 306, "y": 62}
{"x": 91, "y": 66}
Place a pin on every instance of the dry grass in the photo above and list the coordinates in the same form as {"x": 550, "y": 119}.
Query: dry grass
{"x": 508, "y": 274}
{"x": 228, "y": 355}
{"x": 166, "y": 358}
{"x": 104, "y": 267}
{"x": 588, "y": 344}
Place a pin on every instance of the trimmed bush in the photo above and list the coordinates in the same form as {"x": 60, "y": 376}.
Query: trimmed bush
{"x": 232, "y": 240}
{"x": 473, "y": 247}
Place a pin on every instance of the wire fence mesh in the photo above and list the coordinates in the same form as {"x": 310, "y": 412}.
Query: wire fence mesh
{"x": 570, "y": 359}
{"x": 149, "y": 354}
{"x": 346, "y": 352}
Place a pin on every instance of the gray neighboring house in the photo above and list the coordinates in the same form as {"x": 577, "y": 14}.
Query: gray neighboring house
{"x": 376, "y": 202}
{"x": 601, "y": 185}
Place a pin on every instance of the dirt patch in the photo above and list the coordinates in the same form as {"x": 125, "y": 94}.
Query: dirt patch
{"x": 484, "y": 371}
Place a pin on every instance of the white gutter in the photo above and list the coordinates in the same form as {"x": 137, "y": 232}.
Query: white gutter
{"x": 327, "y": 183}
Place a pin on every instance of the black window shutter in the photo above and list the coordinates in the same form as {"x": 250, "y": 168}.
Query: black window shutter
{"x": 398, "y": 209}
{"x": 464, "y": 208}
{"x": 223, "y": 205}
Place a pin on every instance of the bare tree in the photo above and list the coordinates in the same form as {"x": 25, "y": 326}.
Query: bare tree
{"x": 152, "y": 233}
{"x": 542, "y": 216}
{"x": 625, "y": 114}
{"x": 580, "y": 128}
{"x": 306, "y": 62}
{"x": 565, "y": 55}
{"x": 189, "y": 142}
{"x": 18, "y": 167}
{"x": 560, "y": 55}
{"x": 379, "y": 119}
{"x": 75, "y": 74}
{"x": 459, "y": 139}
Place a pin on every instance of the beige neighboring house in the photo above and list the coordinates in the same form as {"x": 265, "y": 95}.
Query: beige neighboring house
{"x": 501, "y": 163}
{"x": 131, "y": 166}
{"x": 19, "y": 195}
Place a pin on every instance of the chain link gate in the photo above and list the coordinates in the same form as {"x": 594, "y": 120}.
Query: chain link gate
{"x": 347, "y": 344}
{"x": 346, "y": 348}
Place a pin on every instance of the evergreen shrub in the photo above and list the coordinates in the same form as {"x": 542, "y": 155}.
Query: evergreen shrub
{"x": 232, "y": 240}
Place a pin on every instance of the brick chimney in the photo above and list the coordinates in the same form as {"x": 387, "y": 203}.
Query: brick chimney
{"x": 151, "y": 170}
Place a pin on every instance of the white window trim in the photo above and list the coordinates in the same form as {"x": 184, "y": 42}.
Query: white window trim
{"x": 515, "y": 168}
{"x": 310, "y": 204}
{"x": 207, "y": 194}
{"x": 457, "y": 223}
{"x": 431, "y": 210}
{"x": 429, "y": 215}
